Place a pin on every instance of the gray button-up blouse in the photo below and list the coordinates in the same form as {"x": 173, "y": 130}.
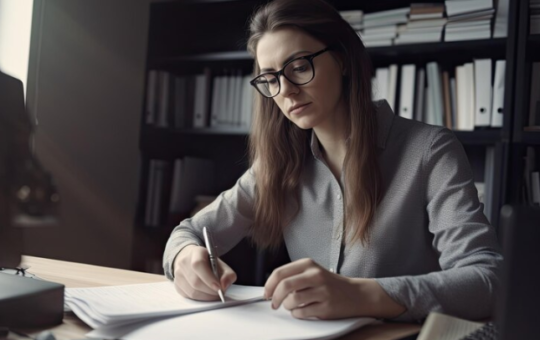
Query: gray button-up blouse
{"x": 431, "y": 247}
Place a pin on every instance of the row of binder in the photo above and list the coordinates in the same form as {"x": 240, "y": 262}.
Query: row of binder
{"x": 172, "y": 186}
{"x": 199, "y": 101}
{"x": 531, "y": 173}
{"x": 463, "y": 98}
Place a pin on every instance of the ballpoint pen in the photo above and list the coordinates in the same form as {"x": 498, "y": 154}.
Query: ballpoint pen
{"x": 213, "y": 258}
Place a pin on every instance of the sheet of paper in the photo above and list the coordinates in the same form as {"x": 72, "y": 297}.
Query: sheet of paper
{"x": 100, "y": 306}
{"x": 246, "y": 322}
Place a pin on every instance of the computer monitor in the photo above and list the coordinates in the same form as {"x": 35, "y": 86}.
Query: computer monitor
{"x": 14, "y": 127}
{"x": 517, "y": 313}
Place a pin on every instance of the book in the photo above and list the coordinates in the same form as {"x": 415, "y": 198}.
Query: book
{"x": 426, "y": 11}
{"x": 353, "y": 17}
{"x": 456, "y": 7}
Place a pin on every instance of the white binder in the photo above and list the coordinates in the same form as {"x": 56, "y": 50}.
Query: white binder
{"x": 435, "y": 94}
{"x": 381, "y": 84}
{"x": 482, "y": 80}
{"x": 163, "y": 103}
{"x": 406, "y": 101}
{"x": 392, "y": 85}
{"x": 498, "y": 94}
{"x": 216, "y": 108}
{"x": 420, "y": 90}
{"x": 465, "y": 114}
{"x": 199, "y": 112}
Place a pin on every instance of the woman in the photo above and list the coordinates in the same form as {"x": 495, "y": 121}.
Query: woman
{"x": 379, "y": 214}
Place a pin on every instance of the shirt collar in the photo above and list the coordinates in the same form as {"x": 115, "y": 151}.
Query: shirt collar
{"x": 385, "y": 117}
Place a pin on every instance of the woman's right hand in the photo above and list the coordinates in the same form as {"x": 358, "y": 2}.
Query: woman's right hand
{"x": 193, "y": 276}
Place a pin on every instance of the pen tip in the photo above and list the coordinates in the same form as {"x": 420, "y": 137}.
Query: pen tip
{"x": 220, "y": 293}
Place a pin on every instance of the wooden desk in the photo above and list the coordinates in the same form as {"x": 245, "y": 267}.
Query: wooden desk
{"x": 83, "y": 275}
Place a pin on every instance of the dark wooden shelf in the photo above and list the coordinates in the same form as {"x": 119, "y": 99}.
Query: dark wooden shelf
{"x": 439, "y": 48}
{"x": 466, "y": 50}
{"x": 481, "y": 137}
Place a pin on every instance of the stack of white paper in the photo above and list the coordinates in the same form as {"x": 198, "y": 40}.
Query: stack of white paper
{"x": 426, "y": 22}
{"x": 116, "y": 305}
{"x": 468, "y": 19}
{"x": 247, "y": 322}
{"x": 380, "y": 28}
{"x": 157, "y": 311}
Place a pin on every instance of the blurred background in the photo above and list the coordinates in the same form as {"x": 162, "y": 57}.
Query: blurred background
{"x": 140, "y": 110}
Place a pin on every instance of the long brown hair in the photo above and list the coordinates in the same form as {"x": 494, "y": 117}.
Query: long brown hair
{"x": 278, "y": 147}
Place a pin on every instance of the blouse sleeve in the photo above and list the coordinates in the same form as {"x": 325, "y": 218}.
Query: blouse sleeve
{"x": 229, "y": 218}
{"x": 469, "y": 252}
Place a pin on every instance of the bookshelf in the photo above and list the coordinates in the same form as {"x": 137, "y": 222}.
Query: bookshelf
{"x": 174, "y": 47}
{"x": 527, "y": 53}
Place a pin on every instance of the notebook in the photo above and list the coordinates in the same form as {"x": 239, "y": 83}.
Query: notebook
{"x": 245, "y": 322}
{"x": 157, "y": 311}
{"x": 115, "y": 305}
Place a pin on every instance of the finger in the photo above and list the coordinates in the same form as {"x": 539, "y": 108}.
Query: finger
{"x": 200, "y": 263}
{"x": 284, "y": 272}
{"x": 190, "y": 282}
{"x": 301, "y": 298}
{"x": 187, "y": 291}
{"x": 315, "y": 310}
{"x": 303, "y": 281}
{"x": 228, "y": 276}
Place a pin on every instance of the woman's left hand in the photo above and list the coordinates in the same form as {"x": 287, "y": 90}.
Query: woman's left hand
{"x": 309, "y": 290}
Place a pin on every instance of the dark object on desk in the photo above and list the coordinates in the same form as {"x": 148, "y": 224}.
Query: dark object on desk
{"x": 14, "y": 129}
{"x": 29, "y": 303}
{"x": 517, "y": 310}
{"x": 28, "y": 196}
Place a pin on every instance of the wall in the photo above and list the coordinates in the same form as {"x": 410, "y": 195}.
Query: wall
{"x": 15, "y": 24}
{"x": 85, "y": 86}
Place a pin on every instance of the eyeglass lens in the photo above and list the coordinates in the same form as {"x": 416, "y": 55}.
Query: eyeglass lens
{"x": 298, "y": 72}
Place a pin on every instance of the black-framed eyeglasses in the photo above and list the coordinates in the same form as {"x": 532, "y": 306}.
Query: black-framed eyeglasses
{"x": 298, "y": 71}
{"x": 20, "y": 271}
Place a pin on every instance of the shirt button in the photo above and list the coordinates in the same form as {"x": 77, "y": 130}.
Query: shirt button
{"x": 339, "y": 197}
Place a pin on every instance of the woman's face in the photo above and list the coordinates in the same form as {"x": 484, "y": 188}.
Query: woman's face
{"x": 308, "y": 105}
